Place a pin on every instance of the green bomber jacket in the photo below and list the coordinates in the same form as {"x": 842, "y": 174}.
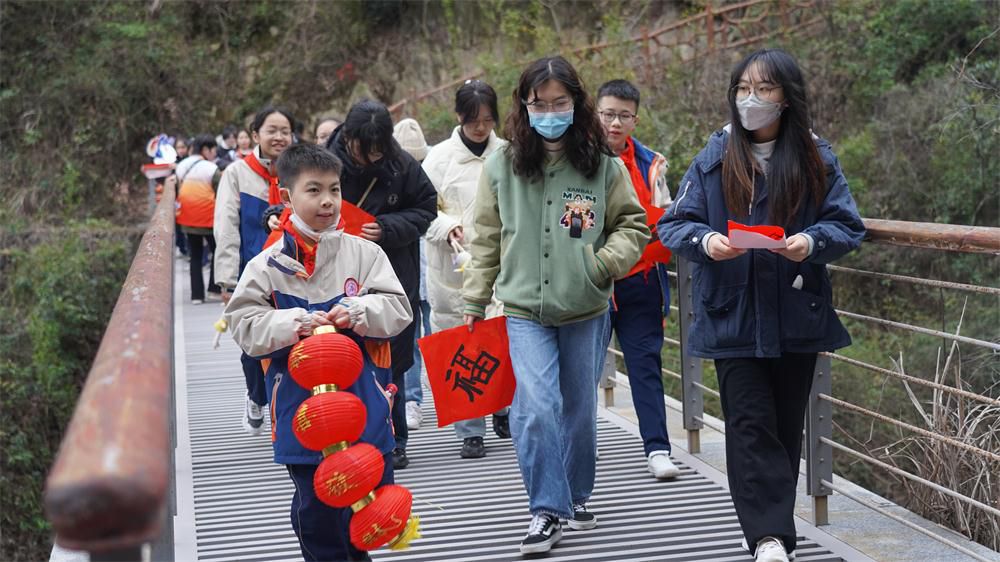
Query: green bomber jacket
{"x": 552, "y": 245}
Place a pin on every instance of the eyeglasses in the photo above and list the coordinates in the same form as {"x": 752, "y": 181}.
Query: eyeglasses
{"x": 608, "y": 117}
{"x": 557, "y": 106}
{"x": 763, "y": 90}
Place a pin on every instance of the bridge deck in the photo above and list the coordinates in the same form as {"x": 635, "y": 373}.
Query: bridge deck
{"x": 232, "y": 500}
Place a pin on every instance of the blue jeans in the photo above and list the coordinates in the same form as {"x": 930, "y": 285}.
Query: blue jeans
{"x": 414, "y": 392}
{"x": 553, "y": 419}
{"x": 639, "y": 325}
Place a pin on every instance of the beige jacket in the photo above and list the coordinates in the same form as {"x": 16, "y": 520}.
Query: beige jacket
{"x": 454, "y": 171}
{"x": 275, "y": 296}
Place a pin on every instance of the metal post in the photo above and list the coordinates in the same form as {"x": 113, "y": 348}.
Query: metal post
{"x": 693, "y": 404}
{"x": 819, "y": 455}
{"x": 607, "y": 381}
{"x": 152, "y": 195}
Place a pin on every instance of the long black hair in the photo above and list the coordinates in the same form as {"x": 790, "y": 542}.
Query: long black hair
{"x": 584, "y": 140}
{"x": 370, "y": 124}
{"x": 473, "y": 95}
{"x": 796, "y": 172}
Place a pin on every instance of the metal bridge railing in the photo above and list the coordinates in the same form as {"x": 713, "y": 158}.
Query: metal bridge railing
{"x": 820, "y": 444}
{"x": 107, "y": 491}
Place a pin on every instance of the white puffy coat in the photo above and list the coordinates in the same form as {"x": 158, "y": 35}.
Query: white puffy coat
{"x": 454, "y": 170}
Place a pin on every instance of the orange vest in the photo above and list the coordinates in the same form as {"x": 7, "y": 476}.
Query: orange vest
{"x": 196, "y": 202}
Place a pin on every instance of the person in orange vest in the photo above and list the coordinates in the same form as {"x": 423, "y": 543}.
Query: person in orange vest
{"x": 198, "y": 176}
{"x": 642, "y": 298}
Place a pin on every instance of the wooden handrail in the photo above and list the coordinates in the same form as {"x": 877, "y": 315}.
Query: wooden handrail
{"x": 935, "y": 236}
{"x": 108, "y": 486}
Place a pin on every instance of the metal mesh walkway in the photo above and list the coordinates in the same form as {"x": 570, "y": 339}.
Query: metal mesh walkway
{"x": 233, "y": 500}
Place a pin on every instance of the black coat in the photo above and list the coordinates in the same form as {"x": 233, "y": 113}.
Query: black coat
{"x": 403, "y": 201}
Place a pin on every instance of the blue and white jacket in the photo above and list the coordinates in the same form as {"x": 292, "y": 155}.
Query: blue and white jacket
{"x": 275, "y": 298}
{"x": 747, "y": 306}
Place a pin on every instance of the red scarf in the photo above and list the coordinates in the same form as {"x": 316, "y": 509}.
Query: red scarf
{"x": 305, "y": 251}
{"x": 273, "y": 198}
{"x": 653, "y": 253}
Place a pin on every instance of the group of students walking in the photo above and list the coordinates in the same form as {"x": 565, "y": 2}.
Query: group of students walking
{"x": 552, "y": 226}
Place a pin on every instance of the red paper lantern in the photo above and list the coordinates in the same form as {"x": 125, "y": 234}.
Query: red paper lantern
{"x": 386, "y": 520}
{"x": 347, "y": 476}
{"x": 328, "y": 418}
{"x": 325, "y": 358}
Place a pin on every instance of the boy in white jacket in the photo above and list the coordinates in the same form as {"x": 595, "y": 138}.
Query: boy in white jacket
{"x": 318, "y": 275}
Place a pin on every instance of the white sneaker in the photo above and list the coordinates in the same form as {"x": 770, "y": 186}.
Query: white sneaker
{"x": 253, "y": 417}
{"x": 743, "y": 544}
{"x": 770, "y": 549}
{"x": 414, "y": 415}
{"x": 660, "y": 465}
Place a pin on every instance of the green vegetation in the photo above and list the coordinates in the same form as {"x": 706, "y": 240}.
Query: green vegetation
{"x": 58, "y": 299}
{"x": 907, "y": 91}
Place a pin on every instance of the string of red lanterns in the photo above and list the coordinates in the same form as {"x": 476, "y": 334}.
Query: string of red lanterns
{"x": 329, "y": 421}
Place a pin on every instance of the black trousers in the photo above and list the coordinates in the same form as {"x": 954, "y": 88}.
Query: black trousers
{"x": 196, "y": 247}
{"x": 401, "y": 349}
{"x": 324, "y": 531}
{"x": 764, "y": 402}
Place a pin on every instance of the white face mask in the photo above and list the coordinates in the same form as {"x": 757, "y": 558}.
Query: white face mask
{"x": 756, "y": 113}
{"x": 308, "y": 231}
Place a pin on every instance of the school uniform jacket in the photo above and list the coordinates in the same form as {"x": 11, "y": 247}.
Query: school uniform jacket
{"x": 239, "y": 232}
{"x": 275, "y": 295}
{"x": 747, "y": 306}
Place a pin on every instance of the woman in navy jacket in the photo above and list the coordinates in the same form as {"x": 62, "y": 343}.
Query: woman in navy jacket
{"x": 763, "y": 315}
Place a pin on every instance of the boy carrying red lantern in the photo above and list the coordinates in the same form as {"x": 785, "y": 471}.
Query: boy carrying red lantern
{"x": 320, "y": 276}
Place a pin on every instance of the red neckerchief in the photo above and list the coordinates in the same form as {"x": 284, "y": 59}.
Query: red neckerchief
{"x": 273, "y": 198}
{"x": 305, "y": 251}
{"x": 645, "y": 263}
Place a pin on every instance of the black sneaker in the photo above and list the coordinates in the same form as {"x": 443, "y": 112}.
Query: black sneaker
{"x": 582, "y": 519}
{"x": 543, "y": 533}
{"x": 399, "y": 459}
{"x": 473, "y": 448}
{"x": 501, "y": 425}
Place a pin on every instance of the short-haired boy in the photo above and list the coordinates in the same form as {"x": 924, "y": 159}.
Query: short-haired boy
{"x": 638, "y": 323}
{"x": 318, "y": 275}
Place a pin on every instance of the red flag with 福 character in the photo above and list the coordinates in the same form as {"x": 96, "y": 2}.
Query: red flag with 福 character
{"x": 469, "y": 372}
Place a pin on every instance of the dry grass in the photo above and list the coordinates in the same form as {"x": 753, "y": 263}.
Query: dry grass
{"x": 973, "y": 475}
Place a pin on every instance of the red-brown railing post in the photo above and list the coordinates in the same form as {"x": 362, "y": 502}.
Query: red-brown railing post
{"x": 106, "y": 492}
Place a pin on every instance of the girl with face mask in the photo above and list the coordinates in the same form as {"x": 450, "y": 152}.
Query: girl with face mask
{"x": 557, "y": 221}
{"x": 763, "y": 315}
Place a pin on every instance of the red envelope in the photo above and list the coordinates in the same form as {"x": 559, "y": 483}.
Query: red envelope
{"x": 760, "y": 236}
{"x": 353, "y": 217}
{"x": 470, "y": 373}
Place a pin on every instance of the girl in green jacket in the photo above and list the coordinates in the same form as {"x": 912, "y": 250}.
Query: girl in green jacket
{"x": 557, "y": 222}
